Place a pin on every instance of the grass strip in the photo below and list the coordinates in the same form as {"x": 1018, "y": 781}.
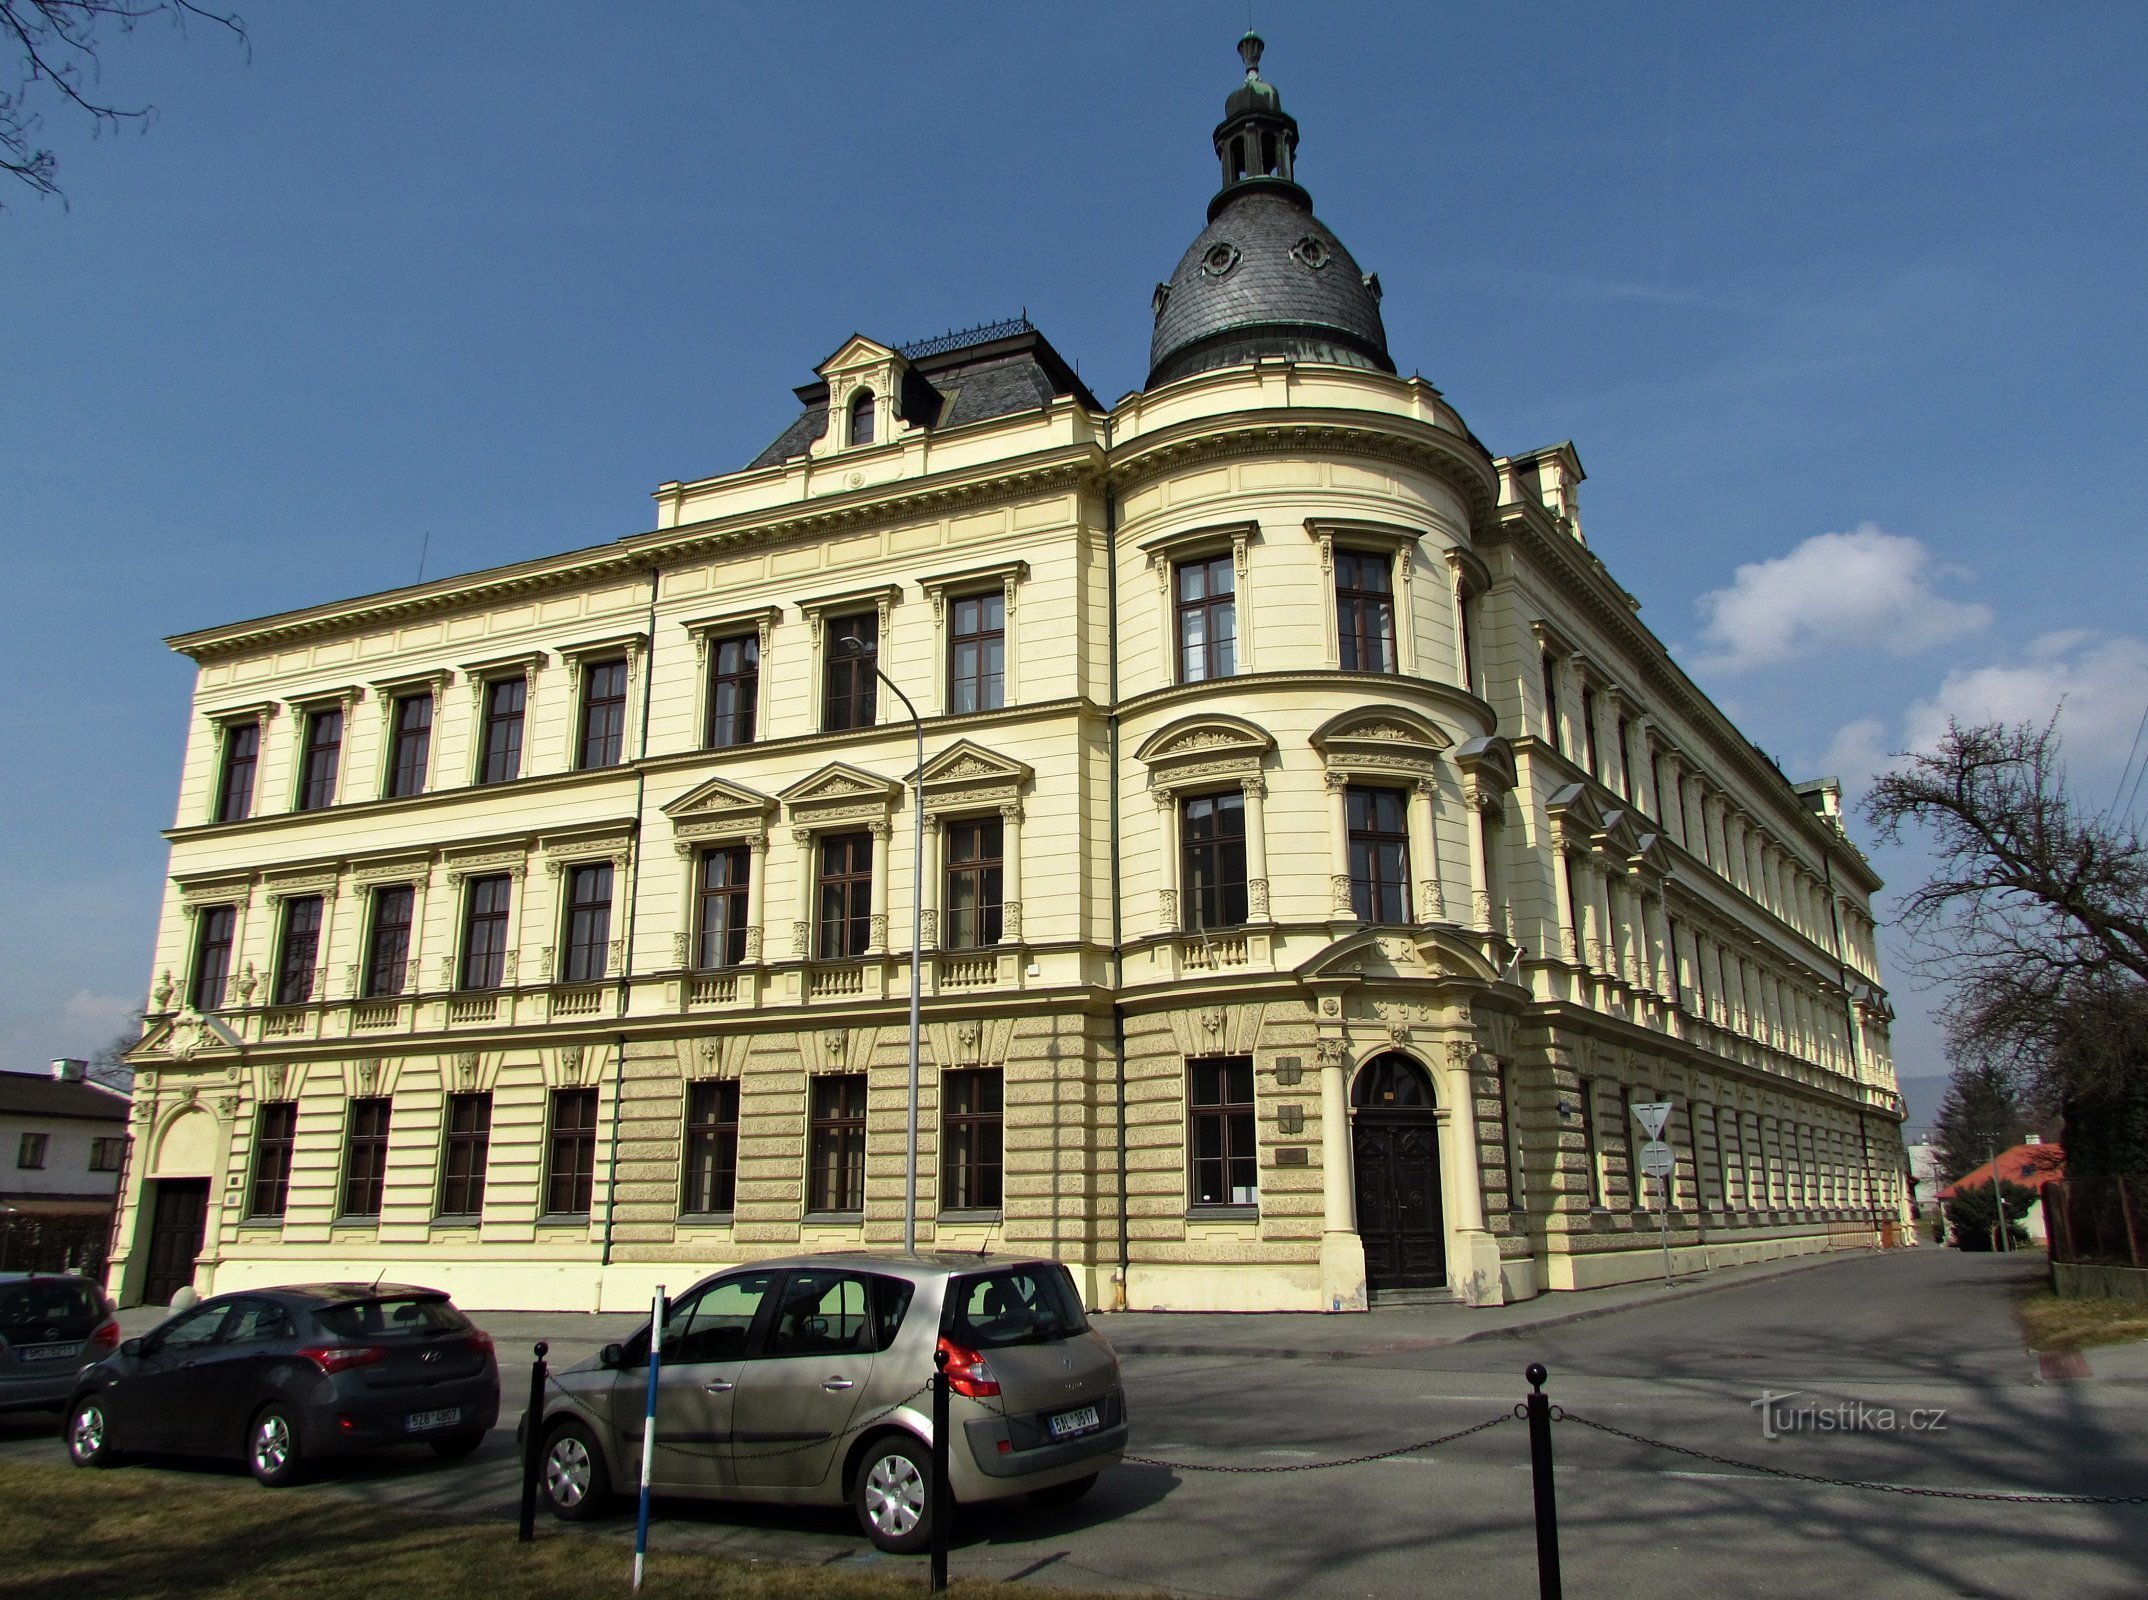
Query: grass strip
{"x": 2050, "y": 1322}
{"x": 146, "y": 1535}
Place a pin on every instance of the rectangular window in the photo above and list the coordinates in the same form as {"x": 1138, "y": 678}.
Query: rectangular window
{"x": 275, "y": 1133}
{"x": 299, "y": 950}
{"x": 1588, "y": 733}
{"x": 720, "y": 907}
{"x": 1670, "y": 961}
{"x": 387, "y": 946}
{"x": 484, "y": 932}
{"x": 570, "y": 1155}
{"x": 107, "y": 1155}
{"x": 365, "y": 1156}
{"x": 323, "y": 754}
{"x": 734, "y": 689}
{"x": 213, "y": 930}
{"x": 1206, "y": 606}
{"x": 1365, "y": 611}
{"x": 30, "y": 1153}
{"x": 974, "y": 869}
{"x": 1591, "y": 1155}
{"x": 500, "y": 753}
{"x": 589, "y": 922}
{"x": 235, "y": 783}
{"x": 846, "y": 895}
{"x": 711, "y": 1148}
{"x": 410, "y": 744}
{"x": 835, "y": 1179}
{"x": 604, "y": 695}
{"x": 1220, "y": 1132}
{"x": 1510, "y": 1122}
{"x": 462, "y": 1161}
{"x": 977, "y": 654}
{"x": 1379, "y": 854}
{"x": 849, "y": 690}
{"x": 1212, "y": 853}
{"x": 1636, "y": 1185}
{"x": 1470, "y": 677}
{"x": 1625, "y": 758}
{"x": 972, "y": 1119}
{"x": 1551, "y": 704}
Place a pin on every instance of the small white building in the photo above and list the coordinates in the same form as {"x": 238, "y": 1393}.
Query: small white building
{"x": 63, "y": 1149}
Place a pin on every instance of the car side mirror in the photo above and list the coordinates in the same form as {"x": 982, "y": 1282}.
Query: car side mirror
{"x": 130, "y": 1347}
{"x": 612, "y": 1356}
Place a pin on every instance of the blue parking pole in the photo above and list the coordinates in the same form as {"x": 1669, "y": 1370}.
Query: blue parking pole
{"x": 648, "y": 1434}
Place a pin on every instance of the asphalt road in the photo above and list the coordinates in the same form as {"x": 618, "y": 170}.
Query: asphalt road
{"x": 1923, "y": 1331}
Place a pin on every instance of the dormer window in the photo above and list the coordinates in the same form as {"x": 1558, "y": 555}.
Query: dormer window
{"x": 861, "y": 417}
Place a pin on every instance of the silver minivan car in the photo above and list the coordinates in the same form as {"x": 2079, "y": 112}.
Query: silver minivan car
{"x": 806, "y": 1381}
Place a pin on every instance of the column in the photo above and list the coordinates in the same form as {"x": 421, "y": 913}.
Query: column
{"x": 1166, "y": 860}
{"x": 1480, "y": 888}
{"x": 1339, "y": 846}
{"x": 1010, "y": 873}
{"x": 1255, "y": 790}
{"x": 1342, "y": 1254}
{"x": 1424, "y": 852}
{"x": 802, "y": 925}
{"x": 932, "y": 880}
{"x": 756, "y": 896}
{"x": 1474, "y": 1271}
{"x": 883, "y": 872}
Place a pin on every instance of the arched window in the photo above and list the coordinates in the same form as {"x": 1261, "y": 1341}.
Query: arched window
{"x": 1393, "y": 1082}
{"x": 861, "y": 417}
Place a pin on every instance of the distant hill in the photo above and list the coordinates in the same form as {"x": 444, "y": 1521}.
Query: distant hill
{"x": 1922, "y": 1097}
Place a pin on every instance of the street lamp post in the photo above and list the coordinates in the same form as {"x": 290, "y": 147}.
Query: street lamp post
{"x": 858, "y": 650}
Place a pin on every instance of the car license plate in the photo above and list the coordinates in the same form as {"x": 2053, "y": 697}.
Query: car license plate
{"x": 420, "y": 1421}
{"x": 1069, "y": 1423}
{"x": 48, "y": 1352}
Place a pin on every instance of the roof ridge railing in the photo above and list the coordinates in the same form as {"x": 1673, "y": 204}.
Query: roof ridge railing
{"x": 963, "y": 338}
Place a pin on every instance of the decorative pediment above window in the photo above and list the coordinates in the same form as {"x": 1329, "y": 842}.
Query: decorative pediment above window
{"x": 719, "y": 810}
{"x": 838, "y": 793}
{"x": 631, "y": 646}
{"x": 759, "y": 621}
{"x": 477, "y": 674}
{"x": 1622, "y": 834}
{"x": 215, "y": 889}
{"x": 340, "y": 698}
{"x": 510, "y": 857}
{"x": 1391, "y": 537}
{"x": 879, "y": 600}
{"x": 287, "y": 883}
{"x": 1487, "y": 771}
{"x": 862, "y": 374}
{"x": 966, "y": 776}
{"x": 1575, "y": 816}
{"x": 1197, "y": 749}
{"x": 1393, "y": 953}
{"x": 1165, "y": 549}
{"x": 611, "y": 841}
{"x": 259, "y": 711}
{"x": 1381, "y": 741}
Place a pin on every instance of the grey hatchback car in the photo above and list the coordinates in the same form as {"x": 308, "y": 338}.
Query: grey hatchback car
{"x": 807, "y": 1381}
{"x": 52, "y": 1325}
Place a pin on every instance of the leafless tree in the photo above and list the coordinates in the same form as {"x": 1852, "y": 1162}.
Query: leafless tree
{"x": 56, "y": 45}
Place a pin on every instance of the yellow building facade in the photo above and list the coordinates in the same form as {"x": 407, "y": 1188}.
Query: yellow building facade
{"x": 1320, "y": 858}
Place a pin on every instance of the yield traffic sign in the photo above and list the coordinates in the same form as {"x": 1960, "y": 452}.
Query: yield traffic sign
{"x": 1652, "y": 1115}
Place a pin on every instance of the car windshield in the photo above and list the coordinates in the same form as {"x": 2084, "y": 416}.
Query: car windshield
{"x": 1014, "y": 1305}
{"x": 371, "y": 1319}
{"x": 48, "y": 1309}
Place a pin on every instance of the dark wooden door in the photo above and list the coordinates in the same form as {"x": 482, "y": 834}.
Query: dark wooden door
{"x": 1398, "y": 1204}
{"x": 175, "y": 1234}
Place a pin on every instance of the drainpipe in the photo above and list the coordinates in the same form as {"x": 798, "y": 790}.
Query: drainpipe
{"x": 1118, "y": 949}
{"x": 1849, "y": 1015}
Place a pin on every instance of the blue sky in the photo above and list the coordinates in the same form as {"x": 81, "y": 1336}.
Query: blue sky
{"x": 1842, "y": 306}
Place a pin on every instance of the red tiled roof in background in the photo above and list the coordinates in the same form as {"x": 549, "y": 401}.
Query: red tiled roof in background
{"x": 2029, "y": 1165}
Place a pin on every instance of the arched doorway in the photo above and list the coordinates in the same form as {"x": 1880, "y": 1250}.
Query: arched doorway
{"x": 1395, "y": 1141}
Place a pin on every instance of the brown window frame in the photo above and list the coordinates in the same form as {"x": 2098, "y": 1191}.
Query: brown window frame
{"x": 108, "y": 1154}
{"x": 850, "y": 692}
{"x": 1591, "y": 757}
{"x": 734, "y": 666}
{"x": 835, "y": 1147}
{"x": 501, "y": 729}
{"x": 237, "y": 771}
{"x": 466, "y": 1151}
{"x": 320, "y": 759}
{"x": 210, "y": 984}
{"x": 410, "y": 744}
{"x": 709, "y": 1179}
{"x": 1364, "y": 616}
{"x": 1220, "y": 1099}
{"x": 365, "y": 1155}
{"x": 470, "y": 975}
{"x": 268, "y": 1189}
{"x": 1551, "y": 703}
{"x": 586, "y": 936}
{"x": 386, "y": 938}
{"x": 720, "y": 908}
{"x": 847, "y": 893}
{"x": 570, "y": 1152}
{"x": 602, "y": 741}
{"x": 972, "y": 872}
{"x": 1213, "y": 655}
{"x": 298, "y": 949}
{"x": 973, "y": 1121}
{"x": 1212, "y": 860}
{"x": 976, "y": 652}
{"x": 1374, "y": 892}
{"x": 864, "y": 418}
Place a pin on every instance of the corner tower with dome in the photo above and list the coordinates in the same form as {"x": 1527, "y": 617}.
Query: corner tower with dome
{"x": 1320, "y": 859}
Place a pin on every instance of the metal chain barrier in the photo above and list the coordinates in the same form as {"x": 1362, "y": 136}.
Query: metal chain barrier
{"x": 1322, "y": 1466}
{"x": 759, "y": 1454}
{"x": 2024, "y": 1497}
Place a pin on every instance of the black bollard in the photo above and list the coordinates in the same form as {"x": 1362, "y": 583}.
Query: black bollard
{"x": 533, "y": 1445}
{"x": 1547, "y": 1505}
{"x": 941, "y": 1499}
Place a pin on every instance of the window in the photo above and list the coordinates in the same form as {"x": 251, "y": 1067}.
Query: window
{"x": 275, "y": 1132}
{"x": 1468, "y": 643}
{"x": 710, "y": 1326}
{"x": 589, "y": 921}
{"x": 711, "y": 1147}
{"x": 323, "y": 753}
{"x": 1670, "y": 962}
{"x": 365, "y": 1156}
{"x": 387, "y": 947}
{"x": 256, "y": 1322}
{"x": 1220, "y": 1133}
{"x": 850, "y": 697}
{"x": 977, "y": 654}
{"x": 300, "y": 949}
{"x": 1207, "y": 619}
{"x": 604, "y": 686}
{"x": 1625, "y": 758}
{"x": 734, "y": 689}
{"x": 235, "y": 784}
{"x": 822, "y": 1313}
{"x": 462, "y": 1163}
{"x": 107, "y": 1155}
{"x": 974, "y": 867}
{"x": 570, "y": 1156}
{"x": 410, "y": 744}
{"x": 1588, "y": 732}
{"x": 972, "y": 1117}
{"x": 30, "y": 1154}
{"x": 1365, "y": 611}
{"x": 720, "y": 907}
{"x": 1551, "y": 704}
{"x": 213, "y": 929}
{"x": 1212, "y": 848}
{"x": 835, "y": 1176}
{"x": 1590, "y": 1155}
{"x": 846, "y": 893}
{"x": 1510, "y": 1127}
{"x": 500, "y": 754}
{"x": 861, "y": 417}
{"x": 484, "y": 932}
{"x": 1379, "y": 854}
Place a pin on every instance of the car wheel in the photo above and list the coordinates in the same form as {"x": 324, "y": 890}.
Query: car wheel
{"x": 89, "y": 1434}
{"x": 1064, "y": 1494}
{"x": 272, "y": 1449}
{"x": 575, "y": 1484}
{"x": 894, "y": 1495}
{"x": 457, "y": 1445}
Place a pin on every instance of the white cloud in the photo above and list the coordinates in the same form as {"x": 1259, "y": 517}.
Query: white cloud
{"x": 2100, "y": 681}
{"x": 98, "y": 1017}
{"x": 1858, "y": 752}
{"x": 1869, "y": 588}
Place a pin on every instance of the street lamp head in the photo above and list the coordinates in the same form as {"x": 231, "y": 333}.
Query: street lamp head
{"x": 852, "y": 648}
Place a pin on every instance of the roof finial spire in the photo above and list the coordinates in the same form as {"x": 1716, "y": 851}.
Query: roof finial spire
{"x": 1249, "y": 49}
